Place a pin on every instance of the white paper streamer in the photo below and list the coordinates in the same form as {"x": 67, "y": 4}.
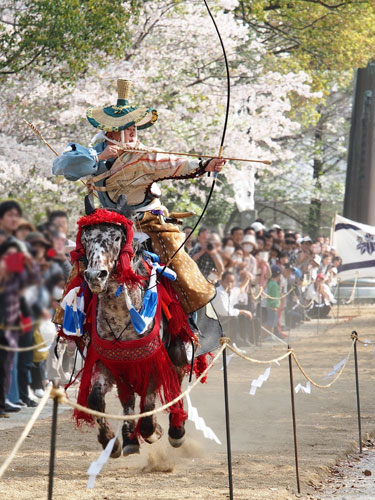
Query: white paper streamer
{"x": 306, "y": 389}
{"x": 258, "y": 382}
{"x": 97, "y": 465}
{"x": 199, "y": 422}
{"x": 337, "y": 367}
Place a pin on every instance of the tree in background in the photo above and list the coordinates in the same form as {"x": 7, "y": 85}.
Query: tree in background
{"x": 170, "y": 50}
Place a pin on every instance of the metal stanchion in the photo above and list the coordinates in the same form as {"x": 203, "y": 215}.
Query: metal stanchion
{"x": 294, "y": 421}
{"x": 354, "y": 336}
{"x": 53, "y": 442}
{"x": 227, "y": 425}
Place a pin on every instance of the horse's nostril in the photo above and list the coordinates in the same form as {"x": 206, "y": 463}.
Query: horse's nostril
{"x": 95, "y": 275}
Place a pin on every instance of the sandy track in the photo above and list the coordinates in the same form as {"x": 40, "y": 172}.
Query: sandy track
{"x": 262, "y": 443}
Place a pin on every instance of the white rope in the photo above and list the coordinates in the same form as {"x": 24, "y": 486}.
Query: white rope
{"x": 27, "y": 429}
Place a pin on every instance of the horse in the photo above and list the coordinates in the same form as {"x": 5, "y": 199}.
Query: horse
{"x": 105, "y": 244}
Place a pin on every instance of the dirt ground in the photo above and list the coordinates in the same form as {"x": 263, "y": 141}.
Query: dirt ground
{"x": 261, "y": 431}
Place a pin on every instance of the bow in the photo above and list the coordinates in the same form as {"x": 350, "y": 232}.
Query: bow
{"x": 220, "y": 154}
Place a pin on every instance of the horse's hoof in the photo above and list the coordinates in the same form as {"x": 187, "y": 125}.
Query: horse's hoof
{"x": 130, "y": 449}
{"x": 156, "y": 435}
{"x": 176, "y": 443}
{"x": 116, "y": 452}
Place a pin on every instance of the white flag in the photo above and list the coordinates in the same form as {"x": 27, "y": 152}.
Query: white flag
{"x": 355, "y": 244}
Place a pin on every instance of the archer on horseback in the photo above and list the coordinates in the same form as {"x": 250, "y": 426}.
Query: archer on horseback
{"x": 120, "y": 164}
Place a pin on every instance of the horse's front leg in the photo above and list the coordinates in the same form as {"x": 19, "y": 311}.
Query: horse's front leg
{"x": 176, "y": 431}
{"x": 149, "y": 429}
{"x": 96, "y": 401}
{"x": 130, "y": 443}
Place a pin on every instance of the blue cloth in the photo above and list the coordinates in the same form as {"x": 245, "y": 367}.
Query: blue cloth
{"x": 78, "y": 161}
{"x": 14, "y": 395}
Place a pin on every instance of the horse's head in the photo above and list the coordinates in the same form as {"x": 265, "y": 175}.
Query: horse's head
{"x": 102, "y": 243}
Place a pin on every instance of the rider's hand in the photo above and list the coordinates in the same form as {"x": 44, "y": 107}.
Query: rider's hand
{"x": 111, "y": 151}
{"x": 215, "y": 165}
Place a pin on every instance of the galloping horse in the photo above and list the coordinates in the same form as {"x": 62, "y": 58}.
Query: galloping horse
{"x": 139, "y": 363}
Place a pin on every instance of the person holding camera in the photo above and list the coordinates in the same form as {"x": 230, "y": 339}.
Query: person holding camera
{"x": 206, "y": 254}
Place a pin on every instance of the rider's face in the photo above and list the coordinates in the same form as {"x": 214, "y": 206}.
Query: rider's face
{"x": 130, "y": 135}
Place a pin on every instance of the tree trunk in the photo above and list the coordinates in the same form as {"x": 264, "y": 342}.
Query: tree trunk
{"x": 316, "y": 203}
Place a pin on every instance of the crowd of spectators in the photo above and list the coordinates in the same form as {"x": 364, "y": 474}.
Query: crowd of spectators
{"x": 33, "y": 271}
{"x": 267, "y": 281}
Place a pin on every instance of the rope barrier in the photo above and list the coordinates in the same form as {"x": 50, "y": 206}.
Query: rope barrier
{"x": 266, "y": 296}
{"x": 22, "y": 349}
{"x": 64, "y": 399}
{"x": 27, "y": 429}
{"x": 258, "y": 361}
{"x": 364, "y": 342}
{"x": 299, "y": 302}
{"x": 315, "y": 384}
{"x": 224, "y": 344}
{"x": 263, "y": 294}
{"x": 257, "y": 296}
{"x": 60, "y": 394}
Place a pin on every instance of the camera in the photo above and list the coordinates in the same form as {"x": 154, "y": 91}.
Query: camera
{"x": 210, "y": 246}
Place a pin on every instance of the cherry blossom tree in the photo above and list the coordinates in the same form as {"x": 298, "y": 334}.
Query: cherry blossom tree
{"x": 176, "y": 63}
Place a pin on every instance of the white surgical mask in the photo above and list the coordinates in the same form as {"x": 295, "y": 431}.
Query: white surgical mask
{"x": 236, "y": 258}
{"x": 248, "y": 247}
{"x": 229, "y": 250}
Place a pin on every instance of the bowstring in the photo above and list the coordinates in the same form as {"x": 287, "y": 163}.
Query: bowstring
{"x": 221, "y": 142}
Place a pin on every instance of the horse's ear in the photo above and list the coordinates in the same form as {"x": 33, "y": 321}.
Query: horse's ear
{"x": 123, "y": 207}
{"x": 89, "y": 205}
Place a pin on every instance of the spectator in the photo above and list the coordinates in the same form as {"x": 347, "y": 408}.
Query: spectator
{"x": 206, "y": 253}
{"x": 326, "y": 264}
{"x": 268, "y": 242}
{"x": 260, "y": 242}
{"x": 236, "y": 234}
{"x": 16, "y": 271}
{"x": 249, "y": 261}
{"x": 258, "y": 228}
{"x": 228, "y": 249}
{"x": 321, "y": 297}
{"x": 230, "y": 302}
{"x": 273, "y": 299}
{"x": 10, "y": 214}
{"x": 58, "y": 264}
{"x": 249, "y": 230}
{"x": 23, "y": 229}
{"x": 58, "y": 221}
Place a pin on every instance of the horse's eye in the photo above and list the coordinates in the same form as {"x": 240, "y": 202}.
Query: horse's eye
{"x": 118, "y": 238}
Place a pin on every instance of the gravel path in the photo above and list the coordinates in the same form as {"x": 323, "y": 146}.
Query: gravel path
{"x": 352, "y": 479}
{"x": 261, "y": 429}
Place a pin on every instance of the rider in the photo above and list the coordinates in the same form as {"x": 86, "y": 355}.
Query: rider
{"x": 115, "y": 172}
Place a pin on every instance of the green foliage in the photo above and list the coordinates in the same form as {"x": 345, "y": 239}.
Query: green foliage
{"x": 58, "y": 39}
{"x": 319, "y": 37}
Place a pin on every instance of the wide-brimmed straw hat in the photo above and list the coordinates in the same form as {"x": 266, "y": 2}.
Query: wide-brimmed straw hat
{"x": 122, "y": 115}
